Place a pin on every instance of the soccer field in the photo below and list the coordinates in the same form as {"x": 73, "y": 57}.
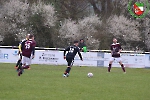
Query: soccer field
{"x": 45, "y": 82}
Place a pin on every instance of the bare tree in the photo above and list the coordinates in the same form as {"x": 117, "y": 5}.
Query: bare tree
{"x": 19, "y": 18}
{"x": 46, "y": 11}
{"x": 73, "y": 9}
{"x": 85, "y": 28}
{"x": 42, "y": 20}
{"x": 14, "y": 16}
{"x": 146, "y": 31}
{"x": 124, "y": 28}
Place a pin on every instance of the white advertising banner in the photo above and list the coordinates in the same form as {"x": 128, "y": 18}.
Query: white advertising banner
{"x": 129, "y": 60}
{"x": 95, "y": 59}
{"x": 48, "y": 57}
{"x": 147, "y": 61}
{"x": 56, "y": 58}
{"x": 8, "y": 55}
{"x": 89, "y": 59}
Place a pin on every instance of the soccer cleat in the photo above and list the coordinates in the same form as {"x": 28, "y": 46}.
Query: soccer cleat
{"x": 64, "y": 75}
{"x": 124, "y": 72}
{"x": 20, "y": 72}
{"x": 67, "y": 74}
{"x": 29, "y": 68}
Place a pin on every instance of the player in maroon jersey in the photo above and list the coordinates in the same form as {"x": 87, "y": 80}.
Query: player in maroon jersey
{"x": 21, "y": 46}
{"x": 115, "y": 53}
{"x": 27, "y": 53}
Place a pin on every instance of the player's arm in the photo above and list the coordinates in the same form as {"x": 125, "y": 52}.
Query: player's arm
{"x": 111, "y": 49}
{"x": 33, "y": 51}
{"x": 111, "y": 52}
{"x": 67, "y": 49}
{"x": 80, "y": 54}
{"x": 120, "y": 49}
{"x": 19, "y": 52}
{"x": 21, "y": 45}
{"x": 20, "y": 48}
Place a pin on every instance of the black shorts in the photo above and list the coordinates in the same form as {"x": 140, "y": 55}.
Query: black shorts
{"x": 70, "y": 60}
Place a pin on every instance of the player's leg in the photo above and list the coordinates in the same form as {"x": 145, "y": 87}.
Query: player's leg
{"x": 110, "y": 63}
{"x": 28, "y": 63}
{"x": 21, "y": 61}
{"x": 20, "y": 64}
{"x": 70, "y": 64}
{"x": 21, "y": 67}
{"x": 121, "y": 64}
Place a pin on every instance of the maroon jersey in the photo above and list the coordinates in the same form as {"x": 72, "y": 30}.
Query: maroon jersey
{"x": 28, "y": 48}
{"x": 115, "y": 49}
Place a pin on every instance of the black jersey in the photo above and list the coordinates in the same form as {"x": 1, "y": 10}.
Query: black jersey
{"x": 72, "y": 51}
{"x": 22, "y": 43}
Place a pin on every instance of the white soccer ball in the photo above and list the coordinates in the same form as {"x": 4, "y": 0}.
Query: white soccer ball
{"x": 90, "y": 75}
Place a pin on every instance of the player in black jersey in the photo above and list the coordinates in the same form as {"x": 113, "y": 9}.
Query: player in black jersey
{"x": 21, "y": 47}
{"x": 72, "y": 51}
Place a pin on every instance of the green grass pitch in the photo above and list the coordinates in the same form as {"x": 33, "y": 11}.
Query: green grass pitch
{"x": 45, "y": 82}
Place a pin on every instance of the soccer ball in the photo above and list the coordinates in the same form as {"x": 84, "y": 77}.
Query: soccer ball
{"x": 90, "y": 75}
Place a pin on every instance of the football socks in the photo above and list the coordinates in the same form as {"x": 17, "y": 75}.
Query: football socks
{"x": 67, "y": 70}
{"x": 123, "y": 68}
{"x": 18, "y": 63}
{"x": 109, "y": 68}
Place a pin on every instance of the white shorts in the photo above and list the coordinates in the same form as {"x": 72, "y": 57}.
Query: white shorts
{"x": 26, "y": 60}
{"x": 118, "y": 59}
